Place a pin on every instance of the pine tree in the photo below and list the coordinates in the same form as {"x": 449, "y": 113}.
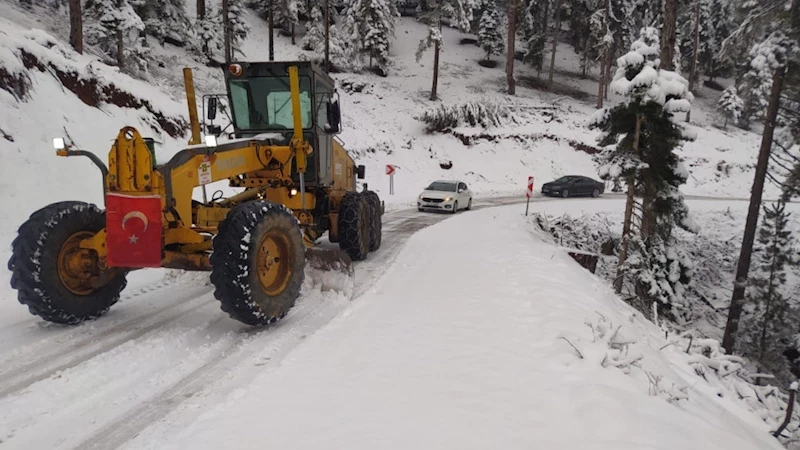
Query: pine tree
{"x": 534, "y": 31}
{"x": 780, "y": 18}
{"x": 459, "y": 12}
{"x": 164, "y": 19}
{"x": 645, "y": 137}
{"x": 238, "y": 26}
{"x": 771, "y": 318}
{"x": 208, "y": 30}
{"x": 586, "y": 30}
{"x": 314, "y": 38}
{"x": 371, "y": 24}
{"x": 489, "y": 36}
{"x": 116, "y": 29}
{"x": 765, "y": 58}
{"x": 730, "y": 105}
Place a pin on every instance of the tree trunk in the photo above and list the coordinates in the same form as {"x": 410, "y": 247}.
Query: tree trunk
{"x": 76, "y": 25}
{"x": 668, "y": 34}
{"x": 226, "y": 30}
{"x": 556, "y": 32}
{"x": 601, "y": 85}
{"x": 585, "y": 59}
{"x": 611, "y": 50}
{"x": 512, "y": 34}
{"x": 695, "y": 51}
{"x": 271, "y": 27}
{"x": 293, "y": 35}
{"x": 743, "y": 268}
{"x": 327, "y": 37}
{"x": 120, "y": 50}
{"x": 627, "y": 223}
{"x": 435, "y": 71}
{"x": 201, "y": 9}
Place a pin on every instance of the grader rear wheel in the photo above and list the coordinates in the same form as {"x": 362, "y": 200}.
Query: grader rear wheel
{"x": 354, "y": 226}
{"x": 55, "y": 278}
{"x": 258, "y": 263}
{"x": 376, "y": 228}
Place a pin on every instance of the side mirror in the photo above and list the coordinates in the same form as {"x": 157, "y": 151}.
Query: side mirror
{"x": 334, "y": 124}
{"x": 460, "y": 191}
{"x": 212, "y": 108}
{"x": 360, "y": 172}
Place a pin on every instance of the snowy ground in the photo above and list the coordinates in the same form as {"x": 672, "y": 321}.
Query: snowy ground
{"x": 458, "y": 346}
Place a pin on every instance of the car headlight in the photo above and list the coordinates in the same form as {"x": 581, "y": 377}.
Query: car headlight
{"x": 448, "y": 199}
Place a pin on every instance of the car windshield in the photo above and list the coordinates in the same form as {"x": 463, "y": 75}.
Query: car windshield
{"x": 565, "y": 179}
{"x": 442, "y": 186}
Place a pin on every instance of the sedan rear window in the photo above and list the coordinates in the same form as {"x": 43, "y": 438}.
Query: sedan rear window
{"x": 440, "y": 186}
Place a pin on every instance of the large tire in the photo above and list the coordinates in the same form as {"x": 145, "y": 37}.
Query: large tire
{"x": 39, "y": 267}
{"x": 376, "y": 230}
{"x": 258, "y": 262}
{"x": 354, "y": 226}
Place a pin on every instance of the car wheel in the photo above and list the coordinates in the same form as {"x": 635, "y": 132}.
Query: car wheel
{"x": 455, "y": 207}
{"x": 469, "y": 205}
{"x": 565, "y": 193}
{"x": 596, "y": 193}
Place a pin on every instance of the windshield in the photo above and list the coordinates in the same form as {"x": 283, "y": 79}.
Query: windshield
{"x": 565, "y": 179}
{"x": 442, "y": 186}
{"x": 265, "y": 103}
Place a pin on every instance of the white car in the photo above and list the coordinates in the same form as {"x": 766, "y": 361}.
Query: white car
{"x": 445, "y": 195}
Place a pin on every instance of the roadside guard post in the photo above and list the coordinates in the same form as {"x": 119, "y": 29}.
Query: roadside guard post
{"x": 528, "y": 194}
{"x": 390, "y": 171}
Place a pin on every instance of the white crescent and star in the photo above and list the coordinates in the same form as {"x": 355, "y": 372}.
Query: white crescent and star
{"x": 135, "y": 215}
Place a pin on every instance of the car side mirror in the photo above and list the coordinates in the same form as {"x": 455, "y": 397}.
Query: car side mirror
{"x": 334, "y": 124}
{"x": 212, "y": 108}
{"x": 460, "y": 191}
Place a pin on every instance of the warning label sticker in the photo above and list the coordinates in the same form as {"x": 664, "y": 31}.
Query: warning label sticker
{"x": 204, "y": 171}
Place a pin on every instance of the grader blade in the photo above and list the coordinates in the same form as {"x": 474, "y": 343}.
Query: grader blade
{"x": 331, "y": 269}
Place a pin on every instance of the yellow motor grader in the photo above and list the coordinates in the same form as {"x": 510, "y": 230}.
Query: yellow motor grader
{"x": 295, "y": 182}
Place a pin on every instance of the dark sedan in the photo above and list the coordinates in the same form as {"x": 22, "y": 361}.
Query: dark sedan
{"x": 572, "y": 186}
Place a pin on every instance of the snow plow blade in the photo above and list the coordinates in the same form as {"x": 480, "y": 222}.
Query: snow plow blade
{"x": 331, "y": 270}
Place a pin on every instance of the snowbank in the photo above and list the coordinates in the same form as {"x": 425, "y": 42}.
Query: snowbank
{"x": 481, "y": 343}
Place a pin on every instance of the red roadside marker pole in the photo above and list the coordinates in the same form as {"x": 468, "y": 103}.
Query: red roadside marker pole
{"x": 528, "y": 194}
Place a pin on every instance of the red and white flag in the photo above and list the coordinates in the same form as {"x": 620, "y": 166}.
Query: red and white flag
{"x": 133, "y": 227}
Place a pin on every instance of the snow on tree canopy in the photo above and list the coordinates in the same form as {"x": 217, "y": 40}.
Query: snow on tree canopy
{"x": 638, "y": 75}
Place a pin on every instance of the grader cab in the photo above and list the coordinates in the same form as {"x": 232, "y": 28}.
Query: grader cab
{"x": 292, "y": 182}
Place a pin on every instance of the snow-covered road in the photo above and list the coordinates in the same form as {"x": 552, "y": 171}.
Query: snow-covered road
{"x": 99, "y": 384}
{"x": 451, "y": 339}
{"x": 467, "y": 343}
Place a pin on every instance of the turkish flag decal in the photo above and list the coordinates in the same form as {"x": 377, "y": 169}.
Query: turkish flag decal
{"x": 133, "y": 227}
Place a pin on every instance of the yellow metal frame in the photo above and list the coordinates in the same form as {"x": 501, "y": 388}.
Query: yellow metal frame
{"x": 187, "y": 227}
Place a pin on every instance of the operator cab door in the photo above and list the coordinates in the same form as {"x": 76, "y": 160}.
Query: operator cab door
{"x": 322, "y": 94}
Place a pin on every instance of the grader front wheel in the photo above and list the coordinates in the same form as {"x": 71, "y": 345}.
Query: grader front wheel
{"x": 258, "y": 263}
{"x": 55, "y": 278}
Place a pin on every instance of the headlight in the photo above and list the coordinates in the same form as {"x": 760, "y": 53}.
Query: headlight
{"x": 448, "y": 199}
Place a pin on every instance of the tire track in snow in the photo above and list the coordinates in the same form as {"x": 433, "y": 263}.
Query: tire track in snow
{"x": 270, "y": 343}
{"x": 75, "y": 353}
{"x": 29, "y": 333}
